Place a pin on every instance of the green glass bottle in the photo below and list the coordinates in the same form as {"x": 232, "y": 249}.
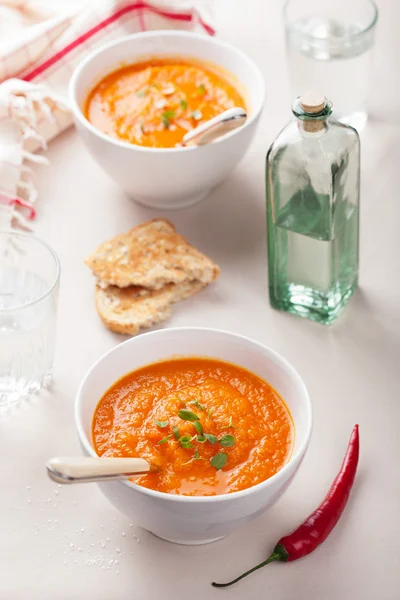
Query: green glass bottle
{"x": 313, "y": 188}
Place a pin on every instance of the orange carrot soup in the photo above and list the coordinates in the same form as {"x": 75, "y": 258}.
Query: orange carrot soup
{"x": 212, "y": 427}
{"x": 155, "y": 103}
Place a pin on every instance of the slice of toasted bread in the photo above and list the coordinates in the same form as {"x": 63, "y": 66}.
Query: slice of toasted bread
{"x": 129, "y": 309}
{"x": 150, "y": 255}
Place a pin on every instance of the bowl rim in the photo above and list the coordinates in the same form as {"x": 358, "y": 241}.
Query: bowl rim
{"x": 77, "y": 112}
{"x": 296, "y": 456}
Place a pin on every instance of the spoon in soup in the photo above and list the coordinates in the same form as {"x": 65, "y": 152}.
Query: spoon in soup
{"x": 87, "y": 469}
{"x": 215, "y": 128}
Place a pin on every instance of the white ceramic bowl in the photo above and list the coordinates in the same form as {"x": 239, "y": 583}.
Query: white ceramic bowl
{"x": 166, "y": 177}
{"x": 184, "y": 519}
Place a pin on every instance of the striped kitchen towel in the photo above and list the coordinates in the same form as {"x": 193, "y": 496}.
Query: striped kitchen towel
{"x": 41, "y": 42}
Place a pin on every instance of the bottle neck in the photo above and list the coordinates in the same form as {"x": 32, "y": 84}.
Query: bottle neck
{"x": 313, "y": 128}
{"x": 312, "y": 121}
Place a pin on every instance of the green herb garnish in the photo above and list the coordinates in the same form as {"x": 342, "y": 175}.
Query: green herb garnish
{"x": 210, "y": 412}
{"x": 162, "y": 424}
{"x": 185, "y": 441}
{"x": 198, "y": 427}
{"x": 187, "y": 415}
{"x": 201, "y": 439}
{"x": 165, "y": 440}
{"x": 211, "y": 438}
{"x": 186, "y": 446}
{"x": 219, "y": 460}
{"x": 202, "y": 89}
{"x": 177, "y": 435}
{"x": 227, "y": 441}
{"x": 196, "y": 456}
{"x": 141, "y": 93}
{"x": 166, "y": 118}
{"x": 197, "y": 403}
{"x": 183, "y": 104}
{"x": 196, "y": 115}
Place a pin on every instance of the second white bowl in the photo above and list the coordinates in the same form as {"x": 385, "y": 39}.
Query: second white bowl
{"x": 194, "y": 519}
{"x": 166, "y": 177}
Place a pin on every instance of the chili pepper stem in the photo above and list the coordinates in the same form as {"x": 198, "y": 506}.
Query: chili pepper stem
{"x": 279, "y": 553}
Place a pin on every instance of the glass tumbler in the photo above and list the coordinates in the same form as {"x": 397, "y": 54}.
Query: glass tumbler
{"x": 329, "y": 49}
{"x": 29, "y": 281}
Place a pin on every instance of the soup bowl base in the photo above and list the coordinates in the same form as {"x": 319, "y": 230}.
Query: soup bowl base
{"x": 170, "y": 205}
{"x": 190, "y": 542}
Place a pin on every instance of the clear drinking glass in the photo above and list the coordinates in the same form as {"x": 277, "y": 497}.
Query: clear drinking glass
{"x": 329, "y": 49}
{"x": 29, "y": 281}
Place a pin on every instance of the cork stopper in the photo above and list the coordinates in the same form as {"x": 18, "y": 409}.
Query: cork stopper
{"x": 312, "y": 103}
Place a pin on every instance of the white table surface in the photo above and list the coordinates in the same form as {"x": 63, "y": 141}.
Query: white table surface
{"x": 70, "y": 543}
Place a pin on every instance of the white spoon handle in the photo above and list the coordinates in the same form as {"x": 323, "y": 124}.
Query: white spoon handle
{"x": 87, "y": 469}
{"x": 216, "y": 127}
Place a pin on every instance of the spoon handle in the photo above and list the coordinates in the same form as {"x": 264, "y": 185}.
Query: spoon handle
{"x": 87, "y": 469}
{"x": 216, "y": 127}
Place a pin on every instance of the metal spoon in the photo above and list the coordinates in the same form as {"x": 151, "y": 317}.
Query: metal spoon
{"x": 87, "y": 469}
{"x": 214, "y": 128}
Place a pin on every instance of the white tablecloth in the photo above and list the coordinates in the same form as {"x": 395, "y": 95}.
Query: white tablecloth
{"x": 69, "y": 543}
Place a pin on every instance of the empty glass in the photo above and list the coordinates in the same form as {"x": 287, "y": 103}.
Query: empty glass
{"x": 29, "y": 281}
{"x": 329, "y": 50}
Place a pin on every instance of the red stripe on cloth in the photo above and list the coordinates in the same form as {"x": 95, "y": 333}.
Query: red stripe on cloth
{"x": 16, "y": 201}
{"x": 208, "y": 28}
{"x": 143, "y": 6}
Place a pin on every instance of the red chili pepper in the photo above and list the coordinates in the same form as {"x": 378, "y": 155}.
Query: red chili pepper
{"x": 316, "y": 528}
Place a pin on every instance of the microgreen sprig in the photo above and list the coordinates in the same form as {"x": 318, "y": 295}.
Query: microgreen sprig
{"x": 198, "y": 427}
{"x": 197, "y": 404}
{"x": 211, "y": 438}
{"x": 187, "y": 415}
{"x": 227, "y": 441}
{"x": 165, "y": 440}
{"x": 185, "y": 441}
{"x": 210, "y": 412}
{"x": 218, "y": 461}
{"x": 166, "y": 118}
